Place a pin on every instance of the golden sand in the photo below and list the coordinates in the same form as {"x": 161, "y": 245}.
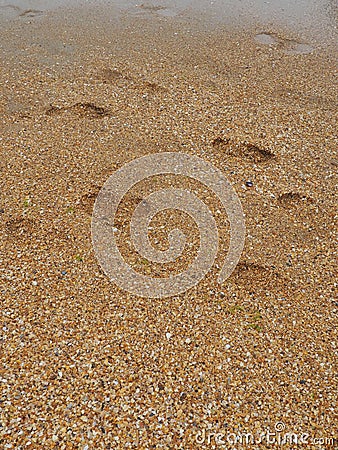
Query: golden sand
{"x": 89, "y": 366}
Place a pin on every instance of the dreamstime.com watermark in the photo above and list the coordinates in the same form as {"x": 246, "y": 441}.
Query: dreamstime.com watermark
{"x": 123, "y": 180}
{"x": 279, "y": 436}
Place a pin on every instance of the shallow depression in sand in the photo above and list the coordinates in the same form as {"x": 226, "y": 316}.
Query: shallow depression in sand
{"x": 288, "y": 46}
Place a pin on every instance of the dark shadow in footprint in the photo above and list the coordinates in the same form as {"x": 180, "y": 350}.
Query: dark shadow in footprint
{"x": 31, "y": 13}
{"x": 220, "y": 143}
{"x": 84, "y": 110}
{"x": 152, "y": 87}
{"x": 293, "y": 200}
{"x": 19, "y": 226}
{"x": 257, "y": 278}
{"x": 86, "y": 202}
{"x": 22, "y": 231}
{"x": 89, "y": 110}
{"x": 245, "y": 150}
{"x": 255, "y": 153}
{"x": 159, "y": 10}
{"x": 152, "y": 8}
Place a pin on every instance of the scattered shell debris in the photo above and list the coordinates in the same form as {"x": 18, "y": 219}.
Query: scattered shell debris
{"x": 87, "y": 366}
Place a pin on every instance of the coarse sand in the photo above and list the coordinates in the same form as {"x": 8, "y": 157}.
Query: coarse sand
{"x": 86, "y": 365}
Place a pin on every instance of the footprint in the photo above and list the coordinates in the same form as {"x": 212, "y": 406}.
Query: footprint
{"x": 245, "y": 267}
{"x": 289, "y": 46}
{"x": 31, "y": 13}
{"x": 220, "y": 142}
{"x": 108, "y": 75}
{"x": 152, "y": 87}
{"x": 159, "y": 10}
{"x": 20, "y": 226}
{"x": 86, "y": 202}
{"x": 89, "y": 110}
{"x": 245, "y": 150}
{"x": 152, "y": 8}
{"x": 9, "y": 11}
{"x": 293, "y": 200}
{"x": 304, "y": 99}
{"x": 255, "y": 277}
{"x": 84, "y": 110}
{"x": 13, "y": 12}
{"x": 16, "y": 107}
{"x": 297, "y": 48}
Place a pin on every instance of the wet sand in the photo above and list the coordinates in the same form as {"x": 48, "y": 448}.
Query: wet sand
{"x": 88, "y": 366}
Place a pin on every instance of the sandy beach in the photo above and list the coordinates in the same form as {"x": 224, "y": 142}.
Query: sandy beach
{"x": 88, "y": 88}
